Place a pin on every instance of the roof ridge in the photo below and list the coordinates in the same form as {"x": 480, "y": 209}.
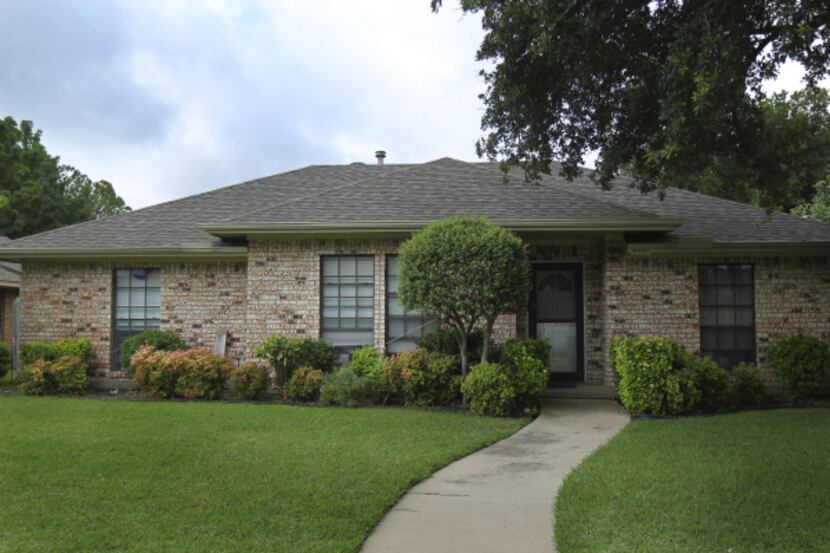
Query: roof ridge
{"x": 332, "y": 189}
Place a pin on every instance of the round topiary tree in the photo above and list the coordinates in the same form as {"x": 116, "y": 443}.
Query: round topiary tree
{"x": 466, "y": 271}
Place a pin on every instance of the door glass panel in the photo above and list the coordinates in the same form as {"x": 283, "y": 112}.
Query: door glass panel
{"x": 562, "y": 337}
{"x": 555, "y": 295}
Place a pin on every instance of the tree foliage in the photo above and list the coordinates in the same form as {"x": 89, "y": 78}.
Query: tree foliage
{"x": 664, "y": 90}
{"x": 466, "y": 271}
{"x": 37, "y": 193}
{"x": 819, "y": 206}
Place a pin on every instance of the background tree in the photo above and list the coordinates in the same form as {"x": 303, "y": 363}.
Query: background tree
{"x": 39, "y": 194}
{"x": 664, "y": 90}
{"x": 465, "y": 271}
{"x": 819, "y": 207}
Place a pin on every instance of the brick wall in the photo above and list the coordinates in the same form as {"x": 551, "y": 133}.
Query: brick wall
{"x": 659, "y": 297}
{"x": 277, "y": 291}
{"x": 74, "y": 299}
{"x": 284, "y": 285}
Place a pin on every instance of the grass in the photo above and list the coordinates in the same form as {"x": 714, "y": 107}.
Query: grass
{"x": 747, "y": 482}
{"x": 110, "y": 475}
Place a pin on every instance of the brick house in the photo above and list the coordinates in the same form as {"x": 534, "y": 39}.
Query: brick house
{"x": 312, "y": 252}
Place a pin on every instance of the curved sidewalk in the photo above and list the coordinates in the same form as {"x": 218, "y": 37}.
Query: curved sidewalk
{"x": 501, "y": 498}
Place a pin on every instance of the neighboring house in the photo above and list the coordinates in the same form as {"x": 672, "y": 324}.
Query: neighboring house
{"x": 311, "y": 252}
{"x": 9, "y": 287}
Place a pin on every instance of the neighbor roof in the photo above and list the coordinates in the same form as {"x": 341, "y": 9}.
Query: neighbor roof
{"x": 9, "y": 272}
{"x": 363, "y": 198}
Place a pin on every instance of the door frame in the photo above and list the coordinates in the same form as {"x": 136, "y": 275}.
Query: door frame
{"x": 579, "y": 281}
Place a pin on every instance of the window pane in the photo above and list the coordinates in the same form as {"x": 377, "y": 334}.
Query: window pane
{"x": 366, "y": 266}
{"x": 743, "y": 295}
{"x": 122, "y": 297}
{"x": 137, "y": 313}
{"x": 348, "y": 312}
{"x": 726, "y": 339}
{"x": 394, "y": 307}
{"x": 708, "y": 275}
{"x": 743, "y": 274}
{"x": 330, "y": 312}
{"x": 349, "y": 290}
{"x": 743, "y": 316}
{"x": 392, "y": 284}
{"x": 122, "y": 278}
{"x": 154, "y": 278}
{"x": 708, "y": 339}
{"x": 726, "y": 295}
{"x": 365, "y": 290}
{"x": 393, "y": 263}
{"x": 724, "y": 274}
{"x": 153, "y": 297}
{"x": 329, "y": 266}
{"x": 365, "y": 312}
{"x": 744, "y": 339}
{"x": 137, "y": 297}
{"x": 139, "y": 278}
{"x": 708, "y": 295}
{"x": 348, "y": 266}
{"x": 396, "y": 328}
{"x": 708, "y": 316}
{"x": 726, "y": 316}
{"x": 365, "y": 323}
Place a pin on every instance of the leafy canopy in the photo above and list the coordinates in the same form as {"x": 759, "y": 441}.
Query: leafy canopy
{"x": 37, "y": 193}
{"x": 465, "y": 271}
{"x": 664, "y": 90}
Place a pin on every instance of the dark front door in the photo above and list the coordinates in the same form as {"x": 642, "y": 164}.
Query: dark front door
{"x": 556, "y": 314}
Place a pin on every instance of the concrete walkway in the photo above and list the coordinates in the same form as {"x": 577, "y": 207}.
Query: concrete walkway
{"x": 501, "y": 498}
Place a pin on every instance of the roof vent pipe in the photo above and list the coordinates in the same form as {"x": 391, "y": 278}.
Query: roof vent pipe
{"x": 380, "y": 155}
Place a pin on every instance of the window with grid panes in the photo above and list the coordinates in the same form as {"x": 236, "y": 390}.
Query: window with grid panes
{"x": 347, "y": 298}
{"x": 727, "y": 313}
{"x": 403, "y": 327}
{"x": 136, "y": 305}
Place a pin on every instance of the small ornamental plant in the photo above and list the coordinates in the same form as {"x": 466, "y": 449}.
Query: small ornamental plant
{"x": 250, "y": 381}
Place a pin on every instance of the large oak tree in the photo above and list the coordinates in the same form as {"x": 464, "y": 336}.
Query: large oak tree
{"x": 663, "y": 90}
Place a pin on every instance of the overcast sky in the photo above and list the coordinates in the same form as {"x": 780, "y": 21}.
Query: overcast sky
{"x": 171, "y": 97}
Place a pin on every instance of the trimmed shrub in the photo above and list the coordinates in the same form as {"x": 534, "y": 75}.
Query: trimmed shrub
{"x": 250, "y": 381}
{"x": 68, "y": 374}
{"x": 55, "y": 349}
{"x": 161, "y": 340}
{"x": 5, "y": 359}
{"x": 801, "y": 362}
{"x": 366, "y": 361}
{"x": 509, "y": 388}
{"x": 653, "y": 377}
{"x": 431, "y": 380}
{"x": 191, "y": 374}
{"x": 711, "y": 380}
{"x": 345, "y": 388}
{"x": 488, "y": 390}
{"x": 391, "y": 378}
{"x": 746, "y": 386}
{"x": 35, "y": 378}
{"x": 200, "y": 373}
{"x": 528, "y": 366}
{"x": 288, "y": 354}
{"x": 304, "y": 384}
{"x": 151, "y": 371}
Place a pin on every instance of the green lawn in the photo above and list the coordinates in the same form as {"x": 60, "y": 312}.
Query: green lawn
{"x": 109, "y": 475}
{"x": 748, "y": 482}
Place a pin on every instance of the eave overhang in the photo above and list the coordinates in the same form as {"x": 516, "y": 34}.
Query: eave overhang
{"x": 393, "y": 228}
{"x": 699, "y": 247}
{"x": 184, "y": 252}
